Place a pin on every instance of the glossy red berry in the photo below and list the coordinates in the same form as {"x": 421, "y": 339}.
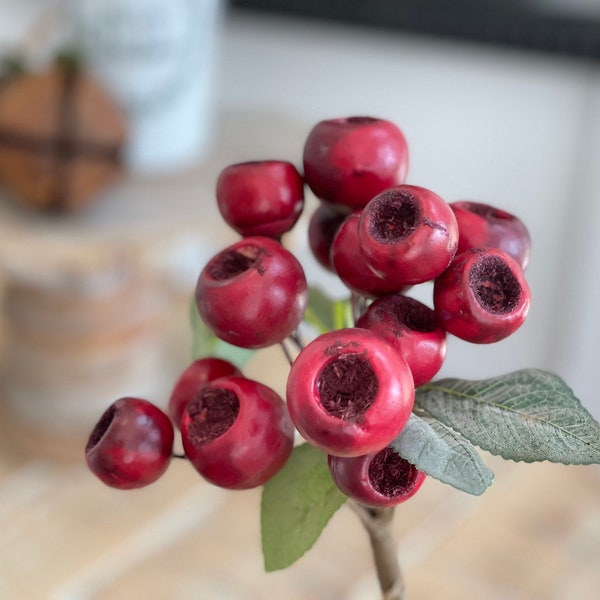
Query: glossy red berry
{"x": 484, "y": 226}
{"x": 408, "y": 234}
{"x": 381, "y": 478}
{"x": 482, "y": 297}
{"x": 350, "y": 264}
{"x": 347, "y": 161}
{"x": 237, "y": 433}
{"x": 349, "y": 392}
{"x": 261, "y": 198}
{"x": 188, "y": 384}
{"x": 252, "y": 294}
{"x": 131, "y": 445}
{"x": 322, "y": 227}
{"x": 413, "y": 329}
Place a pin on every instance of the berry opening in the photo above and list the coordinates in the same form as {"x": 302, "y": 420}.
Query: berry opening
{"x": 231, "y": 263}
{"x": 101, "y": 427}
{"x": 361, "y": 120}
{"x": 489, "y": 212}
{"x": 390, "y": 474}
{"x": 413, "y": 314}
{"x": 494, "y": 285}
{"x": 213, "y": 411}
{"x": 347, "y": 387}
{"x": 395, "y": 215}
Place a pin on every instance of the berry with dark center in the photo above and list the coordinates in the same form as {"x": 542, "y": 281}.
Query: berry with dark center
{"x": 381, "y": 478}
{"x": 482, "y": 297}
{"x": 408, "y": 234}
{"x": 252, "y": 294}
{"x": 237, "y": 433}
{"x": 413, "y": 329}
{"x": 351, "y": 266}
{"x": 349, "y": 160}
{"x": 261, "y": 197}
{"x": 484, "y": 226}
{"x": 322, "y": 227}
{"x": 131, "y": 445}
{"x": 188, "y": 384}
{"x": 349, "y": 392}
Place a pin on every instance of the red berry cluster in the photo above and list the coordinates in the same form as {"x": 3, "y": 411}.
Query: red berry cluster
{"x": 350, "y": 391}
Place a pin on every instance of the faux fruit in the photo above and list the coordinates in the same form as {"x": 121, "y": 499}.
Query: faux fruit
{"x": 349, "y": 392}
{"x": 347, "y": 161}
{"x": 381, "y": 478}
{"x": 237, "y": 433}
{"x": 131, "y": 445}
{"x": 252, "y": 294}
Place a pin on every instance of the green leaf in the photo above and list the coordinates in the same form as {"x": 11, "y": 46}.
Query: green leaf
{"x": 206, "y": 343}
{"x": 529, "y": 415}
{"x": 443, "y": 454}
{"x": 326, "y": 314}
{"x": 296, "y": 505}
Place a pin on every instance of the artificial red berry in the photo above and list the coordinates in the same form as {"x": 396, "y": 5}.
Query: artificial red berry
{"x": 381, "y": 478}
{"x": 350, "y": 264}
{"x": 261, "y": 197}
{"x": 237, "y": 433}
{"x": 347, "y": 161}
{"x": 413, "y": 329}
{"x": 131, "y": 445}
{"x": 484, "y": 226}
{"x": 252, "y": 294}
{"x": 482, "y": 297}
{"x": 188, "y": 384}
{"x": 408, "y": 234}
{"x": 322, "y": 227}
{"x": 349, "y": 392}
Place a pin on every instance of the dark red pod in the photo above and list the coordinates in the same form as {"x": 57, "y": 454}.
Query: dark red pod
{"x": 188, "y": 384}
{"x": 350, "y": 264}
{"x": 482, "y": 297}
{"x": 131, "y": 445}
{"x": 413, "y": 329}
{"x": 252, "y": 294}
{"x": 322, "y": 227}
{"x": 349, "y": 392}
{"x": 349, "y": 160}
{"x": 484, "y": 226}
{"x": 408, "y": 234}
{"x": 262, "y": 198}
{"x": 237, "y": 433}
{"x": 381, "y": 478}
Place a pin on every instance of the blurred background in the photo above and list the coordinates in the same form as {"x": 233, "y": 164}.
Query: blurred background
{"x": 500, "y": 103}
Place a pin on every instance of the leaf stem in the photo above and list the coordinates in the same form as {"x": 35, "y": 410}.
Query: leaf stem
{"x": 378, "y": 524}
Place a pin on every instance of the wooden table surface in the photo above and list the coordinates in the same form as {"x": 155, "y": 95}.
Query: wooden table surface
{"x": 534, "y": 535}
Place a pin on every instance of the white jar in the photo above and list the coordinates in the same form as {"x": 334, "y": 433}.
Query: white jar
{"x": 156, "y": 57}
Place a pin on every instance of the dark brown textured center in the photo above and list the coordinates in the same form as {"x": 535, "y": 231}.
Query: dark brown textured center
{"x": 494, "y": 285}
{"x": 396, "y": 214}
{"x": 101, "y": 427}
{"x": 347, "y": 386}
{"x": 231, "y": 263}
{"x": 390, "y": 474}
{"x": 414, "y": 315}
{"x": 213, "y": 412}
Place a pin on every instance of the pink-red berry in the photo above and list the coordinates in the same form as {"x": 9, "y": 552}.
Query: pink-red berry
{"x": 131, "y": 445}
{"x": 237, "y": 433}
{"x": 349, "y": 392}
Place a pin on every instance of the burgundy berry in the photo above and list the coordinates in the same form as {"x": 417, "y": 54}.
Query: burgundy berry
{"x": 237, "y": 433}
{"x": 261, "y": 197}
{"x": 349, "y": 160}
{"x": 408, "y": 234}
{"x": 413, "y": 328}
{"x": 484, "y": 226}
{"x": 349, "y": 392}
{"x": 381, "y": 478}
{"x": 322, "y": 227}
{"x": 252, "y": 294}
{"x": 482, "y": 297}
{"x": 351, "y": 266}
{"x": 131, "y": 445}
{"x": 201, "y": 371}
